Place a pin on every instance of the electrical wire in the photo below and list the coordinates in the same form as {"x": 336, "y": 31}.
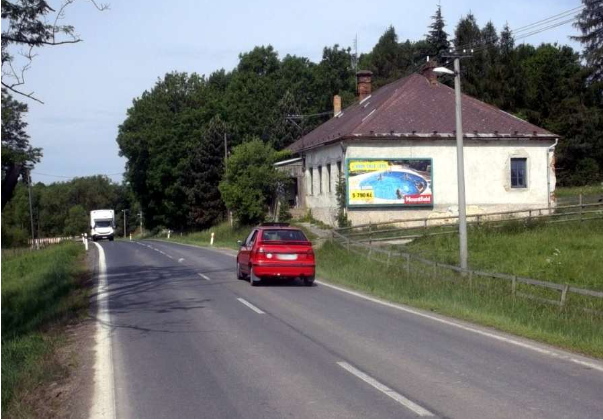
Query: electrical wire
{"x": 76, "y": 176}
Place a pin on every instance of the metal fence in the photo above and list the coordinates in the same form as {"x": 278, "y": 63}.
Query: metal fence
{"x": 418, "y": 227}
{"x": 417, "y": 267}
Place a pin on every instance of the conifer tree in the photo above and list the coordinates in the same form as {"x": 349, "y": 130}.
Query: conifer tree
{"x": 206, "y": 170}
{"x": 284, "y": 131}
{"x": 590, "y": 23}
{"x": 437, "y": 37}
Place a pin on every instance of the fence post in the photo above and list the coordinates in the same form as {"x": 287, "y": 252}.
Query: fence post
{"x": 389, "y": 256}
{"x": 478, "y": 217}
{"x": 564, "y": 294}
{"x": 435, "y": 270}
{"x": 348, "y": 244}
{"x": 470, "y": 280}
{"x": 529, "y": 216}
{"x": 408, "y": 264}
{"x": 580, "y": 202}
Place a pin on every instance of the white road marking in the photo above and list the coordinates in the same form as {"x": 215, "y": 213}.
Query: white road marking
{"x": 386, "y": 390}
{"x": 204, "y": 276}
{"x": 249, "y": 305}
{"x": 103, "y": 404}
{"x": 591, "y": 365}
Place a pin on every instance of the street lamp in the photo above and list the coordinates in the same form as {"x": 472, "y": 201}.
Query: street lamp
{"x": 460, "y": 174}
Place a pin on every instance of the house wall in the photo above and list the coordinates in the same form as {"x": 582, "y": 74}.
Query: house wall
{"x": 487, "y": 177}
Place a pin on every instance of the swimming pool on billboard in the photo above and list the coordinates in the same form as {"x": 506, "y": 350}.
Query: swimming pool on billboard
{"x": 394, "y": 185}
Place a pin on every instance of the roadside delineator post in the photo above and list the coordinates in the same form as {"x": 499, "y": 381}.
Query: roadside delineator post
{"x": 211, "y": 241}
{"x": 130, "y": 237}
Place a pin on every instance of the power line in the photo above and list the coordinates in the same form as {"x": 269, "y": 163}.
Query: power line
{"x": 76, "y": 176}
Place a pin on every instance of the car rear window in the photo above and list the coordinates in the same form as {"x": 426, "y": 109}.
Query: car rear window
{"x": 284, "y": 235}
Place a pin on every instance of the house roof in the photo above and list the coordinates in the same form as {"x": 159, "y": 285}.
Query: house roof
{"x": 415, "y": 108}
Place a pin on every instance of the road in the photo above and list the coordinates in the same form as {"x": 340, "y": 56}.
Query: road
{"x": 190, "y": 340}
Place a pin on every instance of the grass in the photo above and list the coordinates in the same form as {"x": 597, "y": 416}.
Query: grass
{"x": 487, "y": 302}
{"x": 575, "y": 191}
{"x": 225, "y": 236}
{"x": 41, "y": 290}
{"x": 567, "y": 253}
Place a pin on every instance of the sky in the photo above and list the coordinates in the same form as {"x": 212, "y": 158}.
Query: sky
{"x": 88, "y": 87}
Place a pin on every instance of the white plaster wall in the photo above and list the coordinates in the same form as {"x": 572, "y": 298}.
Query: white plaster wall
{"x": 487, "y": 176}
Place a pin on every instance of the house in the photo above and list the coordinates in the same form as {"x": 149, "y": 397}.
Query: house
{"x": 396, "y": 150}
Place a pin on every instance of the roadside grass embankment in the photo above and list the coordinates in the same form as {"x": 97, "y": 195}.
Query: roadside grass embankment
{"x": 41, "y": 292}
{"x": 225, "y": 236}
{"x": 488, "y": 303}
{"x": 587, "y": 190}
{"x": 566, "y": 253}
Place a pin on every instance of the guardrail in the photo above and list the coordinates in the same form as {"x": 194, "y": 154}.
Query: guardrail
{"x": 587, "y": 300}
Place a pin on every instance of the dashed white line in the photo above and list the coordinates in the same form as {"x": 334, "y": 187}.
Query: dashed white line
{"x": 386, "y": 390}
{"x": 204, "y": 276}
{"x": 249, "y": 305}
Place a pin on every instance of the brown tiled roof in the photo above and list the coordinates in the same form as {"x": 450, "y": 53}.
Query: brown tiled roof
{"x": 414, "y": 108}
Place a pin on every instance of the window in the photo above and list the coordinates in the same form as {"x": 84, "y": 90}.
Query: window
{"x": 251, "y": 239}
{"x": 283, "y": 235}
{"x": 329, "y": 189}
{"x": 519, "y": 178}
{"x": 320, "y": 180}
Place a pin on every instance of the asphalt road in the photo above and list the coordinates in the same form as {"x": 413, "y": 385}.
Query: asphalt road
{"x": 190, "y": 340}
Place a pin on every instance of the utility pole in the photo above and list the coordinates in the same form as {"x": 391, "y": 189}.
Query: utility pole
{"x": 140, "y": 216}
{"x": 33, "y": 235}
{"x": 460, "y": 161}
{"x": 125, "y": 211}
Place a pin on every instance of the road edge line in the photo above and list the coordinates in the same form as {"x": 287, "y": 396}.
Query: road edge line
{"x": 569, "y": 357}
{"x": 103, "y": 403}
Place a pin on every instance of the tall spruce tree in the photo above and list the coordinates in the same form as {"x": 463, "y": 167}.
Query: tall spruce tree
{"x": 437, "y": 38}
{"x": 590, "y": 23}
{"x": 283, "y": 130}
{"x": 469, "y": 36}
{"x": 206, "y": 171}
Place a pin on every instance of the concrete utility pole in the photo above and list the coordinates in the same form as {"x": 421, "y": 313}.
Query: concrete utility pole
{"x": 460, "y": 161}
{"x": 33, "y": 235}
{"x": 125, "y": 218}
{"x": 141, "y": 229}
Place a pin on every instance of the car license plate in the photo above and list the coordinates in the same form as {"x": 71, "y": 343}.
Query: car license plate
{"x": 286, "y": 257}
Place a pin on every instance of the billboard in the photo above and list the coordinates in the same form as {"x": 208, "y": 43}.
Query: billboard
{"x": 389, "y": 182}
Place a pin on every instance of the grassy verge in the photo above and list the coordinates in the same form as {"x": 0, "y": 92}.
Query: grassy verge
{"x": 567, "y": 253}
{"x": 486, "y": 303}
{"x": 40, "y": 291}
{"x": 225, "y": 236}
{"x": 575, "y": 191}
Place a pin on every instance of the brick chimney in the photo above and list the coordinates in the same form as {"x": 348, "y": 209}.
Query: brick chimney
{"x": 364, "y": 79}
{"x": 428, "y": 72}
{"x": 336, "y": 105}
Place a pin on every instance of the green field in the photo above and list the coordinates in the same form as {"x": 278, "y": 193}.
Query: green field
{"x": 486, "y": 302}
{"x": 562, "y": 192}
{"x": 41, "y": 290}
{"x": 567, "y": 253}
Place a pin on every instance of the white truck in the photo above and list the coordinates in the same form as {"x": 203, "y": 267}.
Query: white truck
{"x": 102, "y": 224}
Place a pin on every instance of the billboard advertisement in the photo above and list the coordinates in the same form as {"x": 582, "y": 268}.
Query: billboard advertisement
{"x": 389, "y": 182}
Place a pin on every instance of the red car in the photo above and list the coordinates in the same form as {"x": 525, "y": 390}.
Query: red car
{"x": 276, "y": 250}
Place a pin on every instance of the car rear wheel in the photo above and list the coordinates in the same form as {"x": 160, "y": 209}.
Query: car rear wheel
{"x": 309, "y": 281}
{"x": 253, "y": 279}
{"x": 240, "y": 275}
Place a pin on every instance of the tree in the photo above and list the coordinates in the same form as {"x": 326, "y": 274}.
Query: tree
{"x": 251, "y": 180}
{"x": 161, "y": 129}
{"x": 77, "y": 221}
{"x": 386, "y": 61}
{"x": 283, "y": 130}
{"x": 17, "y": 154}
{"x": 206, "y": 170}
{"x": 437, "y": 38}
{"x": 590, "y": 23}
{"x": 30, "y": 24}
{"x": 469, "y": 36}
